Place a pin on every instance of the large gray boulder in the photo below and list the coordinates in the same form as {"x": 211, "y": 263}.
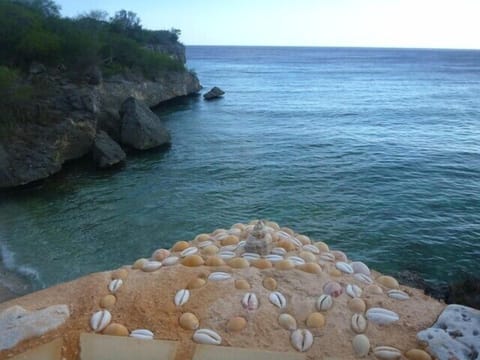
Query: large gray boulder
{"x": 214, "y": 93}
{"x": 105, "y": 151}
{"x": 141, "y": 128}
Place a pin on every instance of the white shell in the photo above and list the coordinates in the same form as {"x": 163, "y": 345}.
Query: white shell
{"x": 344, "y": 267}
{"x": 232, "y": 247}
{"x": 277, "y": 299}
{"x": 226, "y": 254}
{"x": 295, "y": 242}
{"x": 143, "y": 334}
{"x": 353, "y": 290}
{"x": 398, "y": 295}
{"x": 387, "y": 353}
{"x": 311, "y": 248}
{"x": 382, "y": 316}
{"x": 207, "y": 336}
{"x": 241, "y": 244}
{"x": 181, "y": 297}
{"x": 283, "y": 235}
{"x": 360, "y": 268}
{"x": 152, "y": 265}
{"x": 115, "y": 285}
{"x": 171, "y": 260}
{"x": 326, "y": 256}
{"x": 301, "y": 340}
{"x": 287, "y": 321}
{"x": 221, "y": 236}
{"x": 219, "y": 276}
{"x": 361, "y": 345}
{"x": 235, "y": 231}
{"x": 359, "y": 323}
{"x": 324, "y": 302}
{"x": 251, "y": 256}
{"x": 273, "y": 258}
{"x": 100, "y": 320}
{"x": 205, "y": 243}
{"x": 297, "y": 260}
{"x": 363, "y": 278}
{"x": 278, "y": 251}
{"x": 250, "y": 301}
{"x": 189, "y": 251}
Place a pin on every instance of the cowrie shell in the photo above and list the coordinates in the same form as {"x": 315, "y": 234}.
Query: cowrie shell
{"x": 295, "y": 242}
{"x": 360, "y": 268}
{"x": 189, "y": 251}
{"x": 344, "y": 267}
{"x": 150, "y": 266}
{"x": 283, "y": 235}
{"x": 382, "y": 316}
{"x": 226, "y": 254}
{"x": 361, "y": 345}
{"x": 353, "y": 290}
{"x": 359, "y": 323}
{"x": 232, "y": 247}
{"x": 273, "y": 258}
{"x": 287, "y": 322}
{"x": 171, "y": 260}
{"x": 251, "y": 256}
{"x": 387, "y": 353}
{"x": 301, "y": 339}
{"x": 219, "y": 276}
{"x": 241, "y": 244}
{"x": 326, "y": 256}
{"x": 398, "y": 295}
{"x": 277, "y": 299}
{"x": 205, "y": 244}
{"x": 324, "y": 302}
{"x": 143, "y": 334}
{"x": 207, "y": 336}
{"x": 311, "y": 248}
{"x": 250, "y": 301}
{"x": 115, "y": 285}
{"x": 181, "y": 297}
{"x": 297, "y": 260}
{"x": 278, "y": 251}
{"x": 100, "y": 320}
{"x": 363, "y": 278}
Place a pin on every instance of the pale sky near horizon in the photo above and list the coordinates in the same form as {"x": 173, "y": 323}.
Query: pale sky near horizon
{"x": 373, "y": 23}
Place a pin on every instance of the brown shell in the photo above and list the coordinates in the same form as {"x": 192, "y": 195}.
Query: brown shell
{"x": 116, "y": 330}
{"x": 242, "y": 284}
{"x": 308, "y": 256}
{"x": 108, "y": 301}
{"x": 238, "y": 263}
{"x": 357, "y": 305}
{"x": 316, "y": 320}
{"x": 196, "y": 283}
{"x": 284, "y": 265}
{"x": 210, "y": 250}
{"x": 287, "y": 245}
{"x": 311, "y": 268}
{"x": 202, "y": 237}
{"x": 269, "y": 283}
{"x": 388, "y": 282}
{"x": 417, "y": 354}
{"x": 214, "y": 261}
{"x": 262, "y": 264}
{"x": 188, "y": 321}
{"x": 305, "y": 240}
{"x": 160, "y": 254}
{"x": 237, "y": 323}
{"x": 180, "y": 246}
{"x": 322, "y": 246}
{"x": 138, "y": 264}
{"x": 120, "y": 274}
{"x": 192, "y": 260}
{"x": 230, "y": 240}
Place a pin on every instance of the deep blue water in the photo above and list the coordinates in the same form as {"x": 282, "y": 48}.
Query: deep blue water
{"x": 375, "y": 151}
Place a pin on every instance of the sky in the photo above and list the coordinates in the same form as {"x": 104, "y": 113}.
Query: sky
{"x": 363, "y": 23}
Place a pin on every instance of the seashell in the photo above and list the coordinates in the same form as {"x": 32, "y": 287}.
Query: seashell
{"x": 116, "y": 330}
{"x": 120, "y": 274}
{"x": 361, "y": 345}
{"x": 297, "y": 260}
{"x": 357, "y": 305}
{"x": 219, "y": 276}
{"x": 335, "y": 272}
{"x": 360, "y": 268}
{"x": 210, "y": 250}
{"x": 202, "y": 238}
{"x": 150, "y": 266}
{"x": 108, "y": 301}
{"x": 250, "y": 256}
{"x": 273, "y": 225}
{"x": 277, "y": 299}
{"x": 278, "y": 251}
{"x": 417, "y": 354}
{"x": 238, "y": 263}
{"x": 274, "y": 258}
{"x": 188, "y": 321}
{"x": 287, "y": 322}
{"x": 242, "y": 284}
{"x": 138, "y": 264}
{"x": 160, "y": 254}
{"x": 388, "y": 281}
{"x": 250, "y": 301}
{"x": 226, "y": 254}
{"x": 192, "y": 260}
{"x": 308, "y": 256}
{"x": 339, "y": 255}
{"x": 322, "y": 246}
{"x": 295, "y": 241}
{"x": 269, "y": 283}
{"x": 236, "y": 324}
{"x": 301, "y": 339}
{"x": 214, "y": 261}
{"x": 315, "y": 320}
{"x": 180, "y": 246}
{"x": 344, "y": 267}
{"x": 142, "y": 334}
{"x": 326, "y": 256}
{"x": 333, "y": 288}
{"x": 311, "y": 268}
{"x": 228, "y": 248}
{"x": 305, "y": 240}
{"x": 398, "y": 294}
{"x": 283, "y": 235}
{"x": 171, "y": 260}
{"x": 284, "y": 265}
{"x": 241, "y": 244}
{"x": 382, "y": 316}
{"x": 230, "y": 240}
{"x": 374, "y": 289}
{"x": 115, "y": 285}
{"x": 100, "y": 320}
{"x": 363, "y": 278}
{"x": 324, "y": 302}
{"x": 235, "y": 231}
{"x": 204, "y": 244}
{"x": 359, "y": 323}
{"x": 311, "y": 248}
{"x": 353, "y": 290}
{"x": 387, "y": 353}
{"x": 262, "y": 264}
{"x": 196, "y": 283}
{"x": 207, "y": 336}
{"x": 189, "y": 251}
{"x": 181, "y": 297}
{"x": 287, "y": 230}
{"x": 221, "y": 235}
{"x": 287, "y": 245}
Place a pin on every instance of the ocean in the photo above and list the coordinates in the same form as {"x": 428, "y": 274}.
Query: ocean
{"x": 374, "y": 151}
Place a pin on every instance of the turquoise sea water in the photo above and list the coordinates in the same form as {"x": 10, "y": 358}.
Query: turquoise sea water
{"x": 375, "y": 151}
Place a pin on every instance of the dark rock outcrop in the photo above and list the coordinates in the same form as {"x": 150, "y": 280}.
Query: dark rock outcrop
{"x": 105, "y": 151}
{"x": 214, "y": 93}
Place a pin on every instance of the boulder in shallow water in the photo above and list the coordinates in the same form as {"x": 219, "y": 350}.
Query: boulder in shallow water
{"x": 106, "y": 152}
{"x": 214, "y": 93}
{"x": 455, "y": 334}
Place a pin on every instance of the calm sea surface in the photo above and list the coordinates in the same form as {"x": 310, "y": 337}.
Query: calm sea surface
{"x": 375, "y": 151}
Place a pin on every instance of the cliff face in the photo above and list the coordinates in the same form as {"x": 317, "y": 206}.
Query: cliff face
{"x": 62, "y": 125}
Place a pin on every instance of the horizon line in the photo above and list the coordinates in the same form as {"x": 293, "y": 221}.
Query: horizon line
{"x": 341, "y": 46}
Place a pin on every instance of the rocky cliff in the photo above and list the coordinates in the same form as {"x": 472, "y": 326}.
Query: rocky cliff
{"x": 62, "y": 124}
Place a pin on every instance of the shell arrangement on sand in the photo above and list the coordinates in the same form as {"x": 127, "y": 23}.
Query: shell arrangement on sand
{"x": 266, "y": 246}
